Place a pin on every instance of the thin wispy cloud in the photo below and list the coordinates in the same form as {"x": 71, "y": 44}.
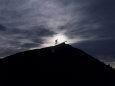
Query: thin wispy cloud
{"x": 29, "y": 24}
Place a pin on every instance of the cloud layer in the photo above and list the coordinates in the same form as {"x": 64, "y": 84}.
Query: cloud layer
{"x": 28, "y": 24}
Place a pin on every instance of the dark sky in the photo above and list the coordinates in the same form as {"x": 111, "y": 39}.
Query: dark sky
{"x": 87, "y": 24}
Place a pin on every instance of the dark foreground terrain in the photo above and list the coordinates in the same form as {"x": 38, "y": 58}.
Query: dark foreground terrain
{"x": 60, "y": 65}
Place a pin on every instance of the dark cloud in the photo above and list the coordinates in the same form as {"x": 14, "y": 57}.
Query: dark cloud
{"x": 29, "y": 45}
{"x": 89, "y": 24}
{"x": 2, "y": 28}
{"x": 14, "y": 40}
{"x": 102, "y": 46}
{"x": 103, "y": 12}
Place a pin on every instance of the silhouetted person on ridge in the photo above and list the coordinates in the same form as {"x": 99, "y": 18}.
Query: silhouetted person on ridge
{"x": 56, "y": 41}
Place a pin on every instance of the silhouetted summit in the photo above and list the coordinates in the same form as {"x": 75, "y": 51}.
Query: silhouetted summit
{"x": 56, "y": 65}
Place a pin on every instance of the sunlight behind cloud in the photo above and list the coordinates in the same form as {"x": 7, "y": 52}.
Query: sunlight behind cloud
{"x": 60, "y": 38}
{"x": 50, "y": 41}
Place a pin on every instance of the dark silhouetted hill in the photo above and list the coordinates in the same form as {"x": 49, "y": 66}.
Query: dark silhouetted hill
{"x": 60, "y": 65}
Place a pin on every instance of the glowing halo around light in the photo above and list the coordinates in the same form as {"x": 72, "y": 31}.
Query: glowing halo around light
{"x": 60, "y": 38}
{"x": 51, "y": 40}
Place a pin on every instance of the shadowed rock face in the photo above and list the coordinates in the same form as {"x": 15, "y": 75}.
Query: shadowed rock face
{"x": 60, "y": 65}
